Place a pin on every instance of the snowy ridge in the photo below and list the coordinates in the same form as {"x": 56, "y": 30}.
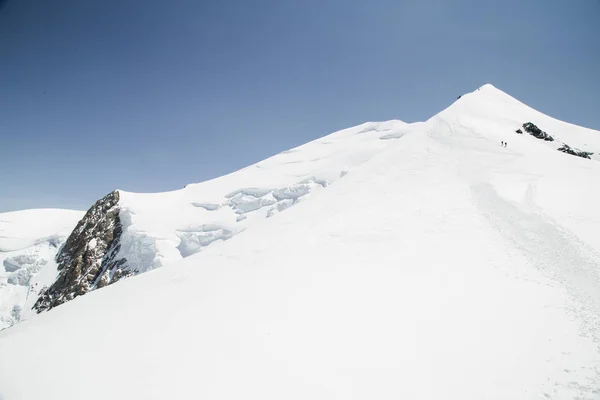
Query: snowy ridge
{"x": 490, "y": 115}
{"x": 493, "y": 113}
{"x": 419, "y": 261}
{"x": 124, "y": 234}
{"x": 161, "y": 228}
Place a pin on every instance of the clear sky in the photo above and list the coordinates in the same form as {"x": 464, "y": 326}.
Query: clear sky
{"x": 147, "y": 96}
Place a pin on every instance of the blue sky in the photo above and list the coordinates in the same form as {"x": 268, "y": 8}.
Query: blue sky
{"x": 148, "y": 96}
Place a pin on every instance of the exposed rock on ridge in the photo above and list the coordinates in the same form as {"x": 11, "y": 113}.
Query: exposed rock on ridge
{"x": 575, "y": 152}
{"x": 533, "y": 130}
{"x": 88, "y": 260}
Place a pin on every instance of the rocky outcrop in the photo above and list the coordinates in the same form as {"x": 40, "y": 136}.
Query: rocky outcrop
{"x": 574, "y": 152}
{"x": 89, "y": 258}
{"x": 533, "y": 130}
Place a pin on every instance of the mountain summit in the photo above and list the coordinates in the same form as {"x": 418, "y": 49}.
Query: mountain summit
{"x": 452, "y": 258}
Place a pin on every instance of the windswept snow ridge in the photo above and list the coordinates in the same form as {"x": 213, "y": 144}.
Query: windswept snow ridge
{"x": 386, "y": 261}
{"x": 125, "y": 234}
{"x": 162, "y": 228}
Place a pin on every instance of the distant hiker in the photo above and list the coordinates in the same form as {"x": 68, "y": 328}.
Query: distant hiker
{"x": 502, "y": 143}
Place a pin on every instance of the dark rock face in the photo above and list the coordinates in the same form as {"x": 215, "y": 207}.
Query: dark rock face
{"x": 533, "y": 130}
{"x": 567, "y": 149}
{"x": 537, "y": 132}
{"x": 88, "y": 260}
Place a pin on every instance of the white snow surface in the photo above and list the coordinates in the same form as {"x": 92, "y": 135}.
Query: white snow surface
{"x": 29, "y": 241}
{"x": 161, "y": 228}
{"x": 439, "y": 266}
{"x": 21, "y": 229}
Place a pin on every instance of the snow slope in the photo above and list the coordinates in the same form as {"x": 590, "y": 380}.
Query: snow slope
{"x": 161, "y": 228}
{"x": 29, "y": 241}
{"x": 21, "y": 229}
{"x": 440, "y": 266}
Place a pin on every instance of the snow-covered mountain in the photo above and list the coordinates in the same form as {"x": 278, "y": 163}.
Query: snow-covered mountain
{"x": 128, "y": 233}
{"x": 388, "y": 260}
